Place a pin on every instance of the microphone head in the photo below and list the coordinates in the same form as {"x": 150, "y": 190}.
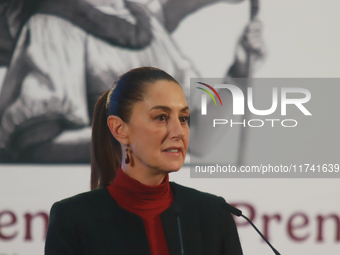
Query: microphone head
{"x": 176, "y": 208}
{"x": 233, "y": 209}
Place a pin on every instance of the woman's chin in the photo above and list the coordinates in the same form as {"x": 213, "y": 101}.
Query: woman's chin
{"x": 174, "y": 166}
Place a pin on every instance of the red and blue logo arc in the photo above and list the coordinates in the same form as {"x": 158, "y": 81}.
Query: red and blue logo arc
{"x": 208, "y": 92}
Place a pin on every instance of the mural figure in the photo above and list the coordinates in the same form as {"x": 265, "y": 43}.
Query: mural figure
{"x": 58, "y": 56}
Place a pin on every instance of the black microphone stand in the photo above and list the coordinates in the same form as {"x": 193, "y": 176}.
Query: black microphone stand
{"x": 238, "y": 213}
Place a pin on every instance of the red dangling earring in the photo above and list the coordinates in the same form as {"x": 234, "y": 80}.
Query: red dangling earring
{"x": 127, "y": 159}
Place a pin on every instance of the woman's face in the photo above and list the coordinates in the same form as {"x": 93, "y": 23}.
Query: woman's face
{"x": 158, "y": 130}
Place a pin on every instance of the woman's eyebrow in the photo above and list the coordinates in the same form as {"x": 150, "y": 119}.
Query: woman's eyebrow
{"x": 185, "y": 109}
{"x": 168, "y": 109}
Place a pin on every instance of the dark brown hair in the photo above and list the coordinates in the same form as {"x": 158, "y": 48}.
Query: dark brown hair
{"x": 106, "y": 152}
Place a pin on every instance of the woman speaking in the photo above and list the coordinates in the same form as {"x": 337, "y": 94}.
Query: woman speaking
{"x": 140, "y": 134}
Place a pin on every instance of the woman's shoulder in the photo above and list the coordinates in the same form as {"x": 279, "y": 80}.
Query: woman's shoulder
{"x": 81, "y": 203}
{"x": 200, "y": 205}
{"x": 84, "y": 196}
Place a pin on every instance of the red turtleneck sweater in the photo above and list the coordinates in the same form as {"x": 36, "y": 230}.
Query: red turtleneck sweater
{"x": 146, "y": 201}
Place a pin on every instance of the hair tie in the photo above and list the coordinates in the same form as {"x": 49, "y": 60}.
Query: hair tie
{"x": 108, "y": 98}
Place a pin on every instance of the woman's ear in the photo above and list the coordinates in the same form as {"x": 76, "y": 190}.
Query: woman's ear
{"x": 118, "y": 128}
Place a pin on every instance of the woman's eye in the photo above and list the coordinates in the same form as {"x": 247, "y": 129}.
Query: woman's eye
{"x": 161, "y": 117}
{"x": 184, "y": 119}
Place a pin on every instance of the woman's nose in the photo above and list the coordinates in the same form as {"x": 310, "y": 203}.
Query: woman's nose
{"x": 176, "y": 129}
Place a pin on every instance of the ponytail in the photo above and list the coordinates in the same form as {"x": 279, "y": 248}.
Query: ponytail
{"x": 105, "y": 149}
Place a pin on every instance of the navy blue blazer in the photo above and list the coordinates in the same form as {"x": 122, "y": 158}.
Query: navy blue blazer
{"x": 92, "y": 223}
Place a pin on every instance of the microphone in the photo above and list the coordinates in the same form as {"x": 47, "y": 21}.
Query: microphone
{"x": 238, "y": 213}
{"x": 177, "y": 212}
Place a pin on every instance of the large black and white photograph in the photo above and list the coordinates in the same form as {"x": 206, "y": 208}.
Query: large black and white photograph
{"x": 60, "y": 56}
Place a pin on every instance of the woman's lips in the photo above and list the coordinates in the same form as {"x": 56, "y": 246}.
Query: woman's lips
{"x": 174, "y": 151}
